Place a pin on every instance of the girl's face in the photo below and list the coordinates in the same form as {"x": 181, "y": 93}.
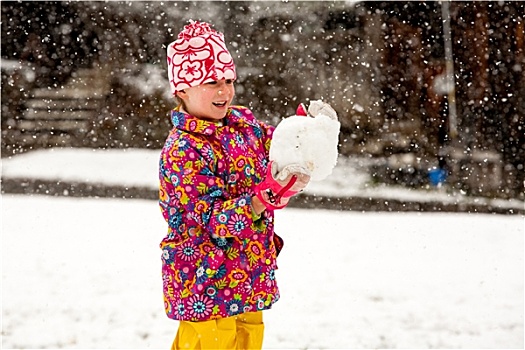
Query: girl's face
{"x": 208, "y": 101}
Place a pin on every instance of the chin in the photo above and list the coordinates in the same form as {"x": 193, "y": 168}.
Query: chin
{"x": 222, "y": 115}
{"x": 215, "y": 118}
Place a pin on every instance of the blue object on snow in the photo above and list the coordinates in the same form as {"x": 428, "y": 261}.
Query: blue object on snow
{"x": 437, "y": 176}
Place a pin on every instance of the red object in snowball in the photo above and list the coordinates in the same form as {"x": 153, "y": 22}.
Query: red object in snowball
{"x": 301, "y": 110}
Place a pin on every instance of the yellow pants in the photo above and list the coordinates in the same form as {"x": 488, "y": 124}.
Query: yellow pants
{"x": 245, "y": 332}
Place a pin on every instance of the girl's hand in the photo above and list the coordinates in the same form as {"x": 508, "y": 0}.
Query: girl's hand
{"x": 301, "y": 181}
{"x": 276, "y": 190}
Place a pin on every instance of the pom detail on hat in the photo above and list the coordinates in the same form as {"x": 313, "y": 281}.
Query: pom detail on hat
{"x": 198, "y": 56}
{"x": 196, "y": 28}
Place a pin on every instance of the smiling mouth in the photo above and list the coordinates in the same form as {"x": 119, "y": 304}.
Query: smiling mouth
{"x": 219, "y": 104}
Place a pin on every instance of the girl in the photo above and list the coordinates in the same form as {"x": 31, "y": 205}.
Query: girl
{"x": 217, "y": 194}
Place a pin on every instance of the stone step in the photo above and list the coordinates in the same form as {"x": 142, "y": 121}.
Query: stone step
{"x": 69, "y": 109}
{"x": 70, "y": 93}
{"x": 89, "y": 78}
{"x": 84, "y": 83}
{"x": 54, "y": 125}
{"x": 52, "y": 114}
{"x": 63, "y": 104}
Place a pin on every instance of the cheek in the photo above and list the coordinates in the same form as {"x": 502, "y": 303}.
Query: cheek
{"x": 206, "y": 96}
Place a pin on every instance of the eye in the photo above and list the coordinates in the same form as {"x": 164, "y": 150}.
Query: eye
{"x": 229, "y": 81}
{"x": 212, "y": 83}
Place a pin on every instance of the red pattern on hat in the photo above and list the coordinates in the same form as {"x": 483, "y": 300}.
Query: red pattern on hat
{"x": 198, "y": 56}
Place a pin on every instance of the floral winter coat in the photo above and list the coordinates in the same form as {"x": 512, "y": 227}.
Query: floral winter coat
{"x": 219, "y": 258}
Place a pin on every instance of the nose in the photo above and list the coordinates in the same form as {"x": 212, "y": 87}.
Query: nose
{"x": 219, "y": 92}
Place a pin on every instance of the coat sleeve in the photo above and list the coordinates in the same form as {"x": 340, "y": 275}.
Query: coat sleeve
{"x": 192, "y": 195}
{"x": 267, "y": 131}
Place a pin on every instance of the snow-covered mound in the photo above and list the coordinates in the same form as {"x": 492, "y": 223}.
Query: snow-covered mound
{"x": 309, "y": 141}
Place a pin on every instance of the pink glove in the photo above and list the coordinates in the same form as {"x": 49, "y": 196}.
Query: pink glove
{"x": 275, "y": 193}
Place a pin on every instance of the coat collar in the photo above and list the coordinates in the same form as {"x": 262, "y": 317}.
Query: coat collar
{"x": 187, "y": 122}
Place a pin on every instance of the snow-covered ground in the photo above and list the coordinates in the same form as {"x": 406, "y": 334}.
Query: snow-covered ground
{"x": 138, "y": 167}
{"x": 85, "y": 272}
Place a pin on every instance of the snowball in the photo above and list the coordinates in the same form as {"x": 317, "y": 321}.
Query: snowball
{"x": 310, "y": 142}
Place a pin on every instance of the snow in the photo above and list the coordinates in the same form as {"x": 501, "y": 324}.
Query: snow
{"x": 12, "y": 66}
{"x": 138, "y": 168}
{"x": 309, "y": 142}
{"x": 149, "y": 79}
{"x": 125, "y": 167}
{"x": 85, "y": 273}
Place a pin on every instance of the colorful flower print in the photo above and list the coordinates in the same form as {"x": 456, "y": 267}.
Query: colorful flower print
{"x": 260, "y": 304}
{"x": 223, "y": 218}
{"x": 183, "y": 145}
{"x": 270, "y": 278}
{"x": 221, "y": 272}
{"x": 222, "y": 242}
{"x": 174, "y": 180}
{"x": 232, "y": 179}
{"x": 202, "y": 206}
{"x": 175, "y": 219}
{"x": 167, "y": 306}
{"x": 237, "y": 223}
{"x": 199, "y": 306}
{"x": 187, "y": 252}
{"x": 176, "y": 119}
{"x": 163, "y": 195}
{"x": 262, "y": 160}
{"x": 216, "y": 260}
{"x": 211, "y": 291}
{"x": 241, "y": 162}
{"x": 242, "y": 202}
{"x": 240, "y": 142}
{"x": 208, "y": 153}
{"x": 238, "y": 276}
{"x": 248, "y": 171}
{"x": 180, "y": 309}
{"x": 201, "y": 276}
{"x": 206, "y": 247}
{"x": 167, "y": 255}
{"x": 247, "y": 308}
{"x": 254, "y": 252}
{"x": 216, "y": 193}
{"x": 234, "y": 307}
